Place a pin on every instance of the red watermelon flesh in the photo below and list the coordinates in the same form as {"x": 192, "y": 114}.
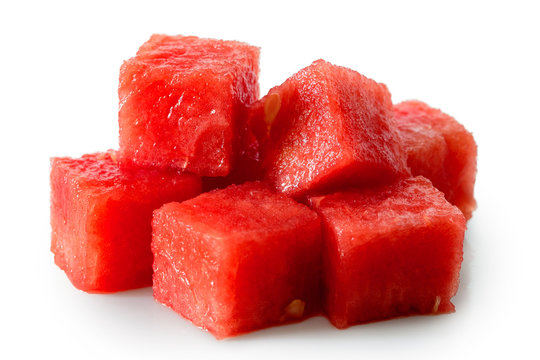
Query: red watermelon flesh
{"x": 182, "y": 103}
{"x": 389, "y": 251}
{"x": 329, "y": 126}
{"x": 237, "y": 259}
{"x": 249, "y": 161}
{"x": 101, "y": 219}
{"x": 440, "y": 149}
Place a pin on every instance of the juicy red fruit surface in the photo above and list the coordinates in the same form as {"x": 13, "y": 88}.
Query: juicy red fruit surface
{"x": 182, "y": 103}
{"x": 389, "y": 251}
{"x": 238, "y": 259}
{"x": 101, "y": 219}
{"x": 329, "y": 126}
{"x": 440, "y": 149}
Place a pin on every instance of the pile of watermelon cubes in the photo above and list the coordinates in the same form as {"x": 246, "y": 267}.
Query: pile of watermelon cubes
{"x": 320, "y": 198}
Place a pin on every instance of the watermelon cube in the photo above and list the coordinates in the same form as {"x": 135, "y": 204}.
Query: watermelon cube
{"x": 182, "y": 103}
{"x": 388, "y": 251}
{"x": 249, "y": 166}
{"x": 440, "y": 149}
{"x": 237, "y": 259}
{"x": 101, "y": 219}
{"x": 329, "y": 126}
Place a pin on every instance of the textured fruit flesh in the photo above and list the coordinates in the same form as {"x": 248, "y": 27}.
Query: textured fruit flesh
{"x": 101, "y": 219}
{"x": 249, "y": 166}
{"x": 389, "y": 251}
{"x": 329, "y": 126}
{"x": 182, "y": 103}
{"x": 440, "y": 149}
{"x": 237, "y": 259}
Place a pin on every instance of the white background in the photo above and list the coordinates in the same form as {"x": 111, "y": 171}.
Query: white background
{"x": 478, "y": 61}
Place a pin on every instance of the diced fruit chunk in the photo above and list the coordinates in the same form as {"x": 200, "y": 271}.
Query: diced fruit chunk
{"x": 237, "y": 259}
{"x": 328, "y": 126}
{"x": 389, "y": 251}
{"x": 182, "y": 103}
{"x": 249, "y": 160}
{"x": 440, "y": 149}
{"x": 101, "y": 219}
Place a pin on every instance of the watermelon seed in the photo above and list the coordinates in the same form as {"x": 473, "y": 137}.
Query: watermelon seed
{"x": 295, "y": 310}
{"x": 437, "y": 303}
{"x": 271, "y": 108}
{"x": 113, "y": 156}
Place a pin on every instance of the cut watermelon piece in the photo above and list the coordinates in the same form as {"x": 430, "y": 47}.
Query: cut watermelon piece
{"x": 101, "y": 219}
{"x": 249, "y": 161}
{"x": 440, "y": 149}
{"x": 328, "y": 127}
{"x": 182, "y": 103}
{"x": 237, "y": 259}
{"x": 389, "y": 251}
